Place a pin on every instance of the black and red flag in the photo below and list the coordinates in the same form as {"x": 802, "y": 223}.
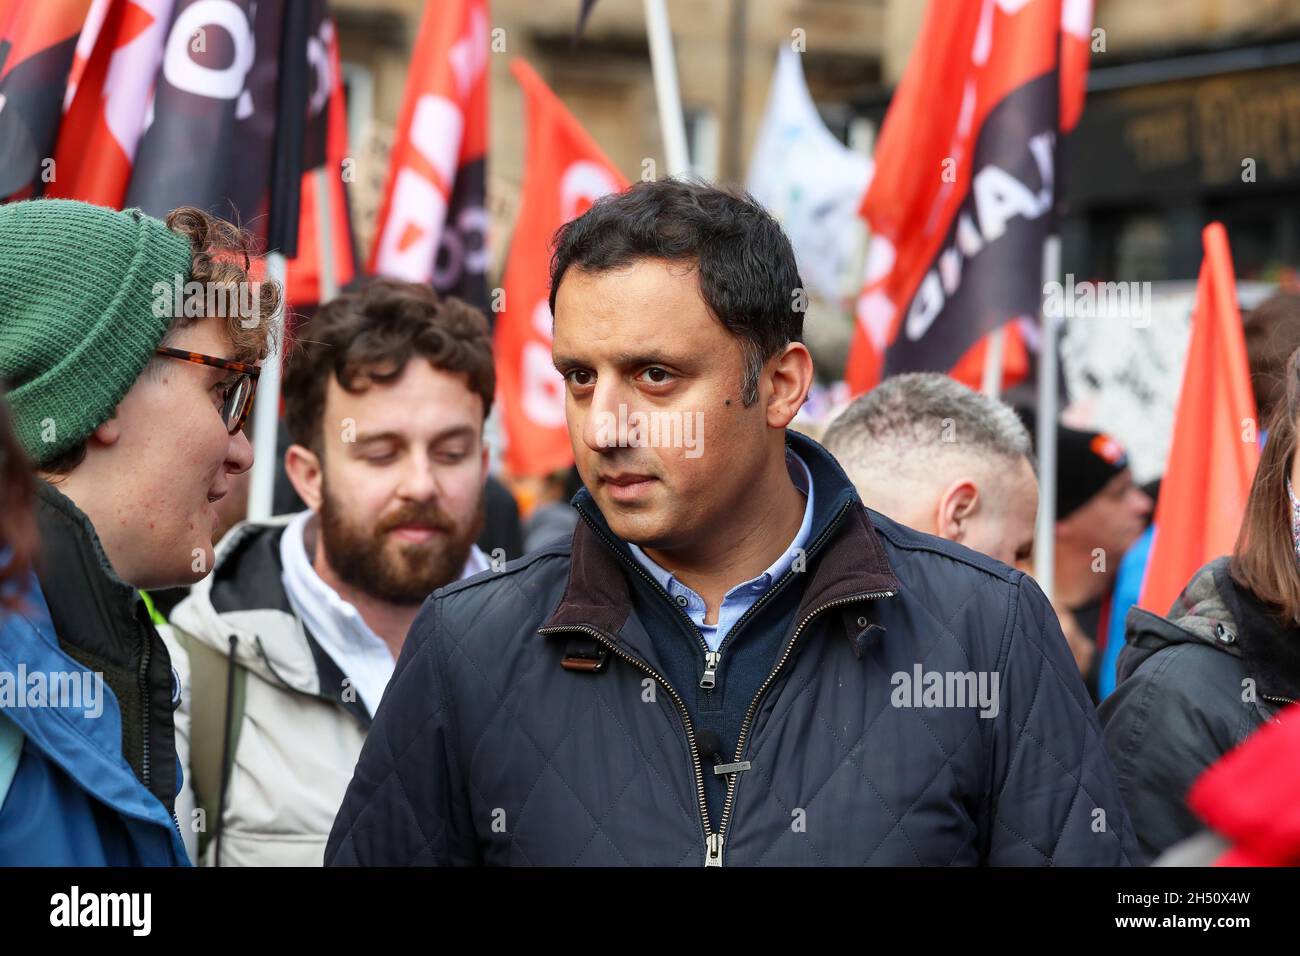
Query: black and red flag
{"x": 326, "y": 258}
{"x": 212, "y": 139}
{"x": 433, "y": 222}
{"x": 38, "y": 42}
{"x": 964, "y": 190}
{"x": 177, "y": 102}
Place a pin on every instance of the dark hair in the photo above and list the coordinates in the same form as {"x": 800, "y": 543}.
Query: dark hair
{"x": 17, "y": 525}
{"x": 746, "y": 267}
{"x": 221, "y": 255}
{"x": 368, "y": 335}
{"x": 1264, "y": 561}
{"x": 1271, "y": 330}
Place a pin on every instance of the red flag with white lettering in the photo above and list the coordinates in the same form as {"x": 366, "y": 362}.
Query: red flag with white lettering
{"x": 963, "y": 194}
{"x": 565, "y": 173}
{"x": 433, "y": 222}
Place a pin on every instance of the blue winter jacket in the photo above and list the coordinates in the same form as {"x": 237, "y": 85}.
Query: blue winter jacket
{"x": 67, "y": 795}
{"x": 538, "y": 715}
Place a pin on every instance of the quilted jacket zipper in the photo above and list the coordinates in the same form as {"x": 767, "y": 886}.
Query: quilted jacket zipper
{"x": 713, "y": 841}
{"x": 609, "y": 642}
{"x": 710, "y": 673}
{"x": 653, "y": 583}
{"x": 714, "y": 857}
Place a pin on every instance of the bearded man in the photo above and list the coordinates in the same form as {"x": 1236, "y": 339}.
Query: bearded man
{"x": 293, "y": 638}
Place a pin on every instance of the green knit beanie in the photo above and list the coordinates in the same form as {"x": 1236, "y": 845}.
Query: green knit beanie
{"x": 78, "y": 321}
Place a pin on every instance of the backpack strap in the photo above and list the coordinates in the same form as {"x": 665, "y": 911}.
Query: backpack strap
{"x": 11, "y": 751}
{"x": 218, "y": 692}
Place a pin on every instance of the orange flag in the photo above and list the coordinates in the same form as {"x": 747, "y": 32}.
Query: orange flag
{"x": 565, "y": 173}
{"x": 1214, "y": 452}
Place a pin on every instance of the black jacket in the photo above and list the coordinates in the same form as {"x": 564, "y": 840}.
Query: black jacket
{"x": 1192, "y": 687}
{"x": 102, "y": 623}
{"x": 529, "y": 722}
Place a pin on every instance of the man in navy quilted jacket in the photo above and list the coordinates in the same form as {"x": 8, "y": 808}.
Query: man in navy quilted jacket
{"x": 732, "y": 660}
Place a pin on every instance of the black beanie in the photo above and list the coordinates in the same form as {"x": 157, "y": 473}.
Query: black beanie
{"x": 1086, "y": 462}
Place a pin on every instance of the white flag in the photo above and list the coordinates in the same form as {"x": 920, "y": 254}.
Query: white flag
{"x": 812, "y": 183}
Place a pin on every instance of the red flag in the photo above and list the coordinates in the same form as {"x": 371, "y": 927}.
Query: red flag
{"x": 110, "y": 86}
{"x": 432, "y": 226}
{"x": 963, "y": 192}
{"x": 565, "y": 173}
{"x": 37, "y": 45}
{"x": 325, "y": 149}
{"x": 969, "y": 369}
{"x": 1214, "y": 453}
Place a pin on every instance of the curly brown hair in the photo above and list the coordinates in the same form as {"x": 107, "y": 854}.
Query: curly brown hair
{"x": 223, "y": 255}
{"x": 368, "y": 334}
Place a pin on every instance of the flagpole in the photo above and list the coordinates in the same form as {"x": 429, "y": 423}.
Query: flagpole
{"x": 328, "y": 287}
{"x": 266, "y": 408}
{"x": 664, "y": 66}
{"x": 995, "y": 342}
{"x": 282, "y": 239}
{"x": 1048, "y": 402}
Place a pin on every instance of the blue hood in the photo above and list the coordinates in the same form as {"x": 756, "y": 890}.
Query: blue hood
{"x": 71, "y": 756}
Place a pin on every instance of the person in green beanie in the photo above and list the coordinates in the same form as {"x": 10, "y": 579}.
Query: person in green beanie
{"x": 129, "y": 350}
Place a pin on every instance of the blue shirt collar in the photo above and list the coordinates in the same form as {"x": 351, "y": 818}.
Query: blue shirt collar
{"x": 802, "y": 478}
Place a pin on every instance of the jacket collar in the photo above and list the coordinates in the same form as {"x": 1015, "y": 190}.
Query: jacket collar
{"x": 1198, "y": 616}
{"x": 245, "y": 597}
{"x": 100, "y": 621}
{"x": 71, "y": 541}
{"x": 1270, "y": 651}
{"x": 1215, "y": 611}
{"x": 844, "y": 553}
{"x": 84, "y": 743}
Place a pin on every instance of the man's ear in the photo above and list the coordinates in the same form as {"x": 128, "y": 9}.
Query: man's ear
{"x": 957, "y": 505}
{"x": 304, "y": 471}
{"x": 791, "y": 375}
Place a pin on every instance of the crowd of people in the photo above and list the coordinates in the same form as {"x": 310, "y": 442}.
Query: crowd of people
{"x": 760, "y": 649}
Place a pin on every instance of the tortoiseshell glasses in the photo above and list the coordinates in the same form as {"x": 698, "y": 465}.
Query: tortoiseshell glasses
{"x": 238, "y": 398}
